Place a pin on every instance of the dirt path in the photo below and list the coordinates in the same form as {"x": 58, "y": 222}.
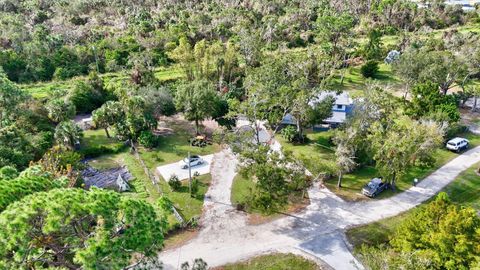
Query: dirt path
{"x": 318, "y": 231}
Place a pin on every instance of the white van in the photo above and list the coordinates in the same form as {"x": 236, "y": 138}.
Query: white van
{"x": 457, "y": 144}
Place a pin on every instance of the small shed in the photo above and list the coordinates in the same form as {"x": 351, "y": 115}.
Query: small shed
{"x": 115, "y": 178}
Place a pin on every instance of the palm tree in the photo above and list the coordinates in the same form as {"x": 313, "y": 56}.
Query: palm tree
{"x": 68, "y": 133}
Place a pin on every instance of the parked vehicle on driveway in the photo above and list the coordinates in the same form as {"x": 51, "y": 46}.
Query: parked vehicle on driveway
{"x": 194, "y": 161}
{"x": 374, "y": 187}
{"x": 457, "y": 144}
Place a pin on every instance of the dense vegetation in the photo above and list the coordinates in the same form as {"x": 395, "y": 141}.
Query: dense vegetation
{"x": 441, "y": 235}
{"x": 132, "y": 64}
{"x": 75, "y": 229}
{"x": 57, "y": 39}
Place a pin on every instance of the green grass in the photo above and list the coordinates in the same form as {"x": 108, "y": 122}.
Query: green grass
{"x": 320, "y": 148}
{"x": 42, "y": 90}
{"x": 319, "y": 155}
{"x": 241, "y": 188}
{"x": 354, "y": 83}
{"x": 463, "y": 190}
{"x": 240, "y": 194}
{"x": 172, "y": 148}
{"x": 142, "y": 186}
{"x": 97, "y": 138}
{"x": 275, "y": 261}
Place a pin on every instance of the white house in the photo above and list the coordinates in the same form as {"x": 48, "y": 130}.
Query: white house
{"x": 341, "y": 109}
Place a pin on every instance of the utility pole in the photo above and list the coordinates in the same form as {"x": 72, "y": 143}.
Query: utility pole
{"x": 189, "y": 174}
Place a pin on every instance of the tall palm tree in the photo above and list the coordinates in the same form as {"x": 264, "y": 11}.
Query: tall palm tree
{"x": 68, "y": 133}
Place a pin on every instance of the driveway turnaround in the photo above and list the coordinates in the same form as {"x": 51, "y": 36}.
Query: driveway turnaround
{"x": 319, "y": 231}
{"x": 176, "y": 169}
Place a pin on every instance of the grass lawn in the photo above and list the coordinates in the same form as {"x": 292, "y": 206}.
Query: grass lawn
{"x": 274, "y": 261}
{"x": 175, "y": 147}
{"x": 98, "y": 138}
{"x": 463, "y": 190}
{"x": 319, "y": 154}
{"x": 171, "y": 149}
{"x": 45, "y": 89}
{"x": 354, "y": 83}
{"x": 241, "y": 188}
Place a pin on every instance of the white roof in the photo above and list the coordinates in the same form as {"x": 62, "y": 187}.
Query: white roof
{"x": 376, "y": 180}
{"x": 457, "y": 140}
{"x": 340, "y": 99}
{"x": 337, "y": 117}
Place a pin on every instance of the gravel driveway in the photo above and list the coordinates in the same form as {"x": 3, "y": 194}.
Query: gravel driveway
{"x": 176, "y": 169}
{"x": 226, "y": 237}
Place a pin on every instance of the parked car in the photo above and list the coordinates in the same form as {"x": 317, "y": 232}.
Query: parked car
{"x": 194, "y": 161}
{"x": 457, "y": 144}
{"x": 374, "y": 187}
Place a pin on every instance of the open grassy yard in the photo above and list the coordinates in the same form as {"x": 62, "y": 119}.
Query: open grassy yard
{"x": 319, "y": 154}
{"x": 171, "y": 149}
{"x": 465, "y": 190}
{"x": 241, "y": 189}
{"x": 276, "y": 261}
{"x": 45, "y": 89}
{"x": 354, "y": 83}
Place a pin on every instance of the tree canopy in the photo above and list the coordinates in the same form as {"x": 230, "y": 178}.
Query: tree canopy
{"x": 73, "y": 228}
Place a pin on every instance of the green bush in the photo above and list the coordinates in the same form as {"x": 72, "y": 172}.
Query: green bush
{"x": 8, "y": 173}
{"x": 147, "y": 139}
{"x": 369, "y": 69}
{"x": 88, "y": 95}
{"x": 455, "y": 129}
{"x": 195, "y": 186}
{"x": 174, "y": 183}
{"x": 289, "y": 133}
{"x": 13, "y": 190}
{"x": 92, "y": 152}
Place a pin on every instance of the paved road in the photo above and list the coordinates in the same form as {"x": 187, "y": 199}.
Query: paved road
{"x": 318, "y": 231}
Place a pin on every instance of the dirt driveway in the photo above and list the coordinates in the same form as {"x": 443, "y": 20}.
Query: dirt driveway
{"x": 176, "y": 169}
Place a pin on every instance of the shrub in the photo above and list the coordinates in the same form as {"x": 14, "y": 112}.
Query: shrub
{"x": 87, "y": 95}
{"x": 289, "y": 133}
{"x": 454, "y": 130}
{"x": 92, "y": 152}
{"x": 14, "y": 190}
{"x": 147, "y": 139}
{"x": 194, "y": 188}
{"x": 369, "y": 69}
{"x": 174, "y": 183}
{"x": 8, "y": 173}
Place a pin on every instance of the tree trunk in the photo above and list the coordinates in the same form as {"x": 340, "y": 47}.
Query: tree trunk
{"x": 132, "y": 145}
{"x": 299, "y": 131}
{"x": 339, "y": 184}
{"x": 196, "y": 127}
{"x": 444, "y": 90}
{"x": 106, "y": 132}
{"x": 393, "y": 181}
{"x": 474, "y": 107}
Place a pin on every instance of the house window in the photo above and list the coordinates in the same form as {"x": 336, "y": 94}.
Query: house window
{"x": 339, "y": 107}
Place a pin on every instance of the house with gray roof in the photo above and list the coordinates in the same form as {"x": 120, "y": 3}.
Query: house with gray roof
{"x": 342, "y": 108}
